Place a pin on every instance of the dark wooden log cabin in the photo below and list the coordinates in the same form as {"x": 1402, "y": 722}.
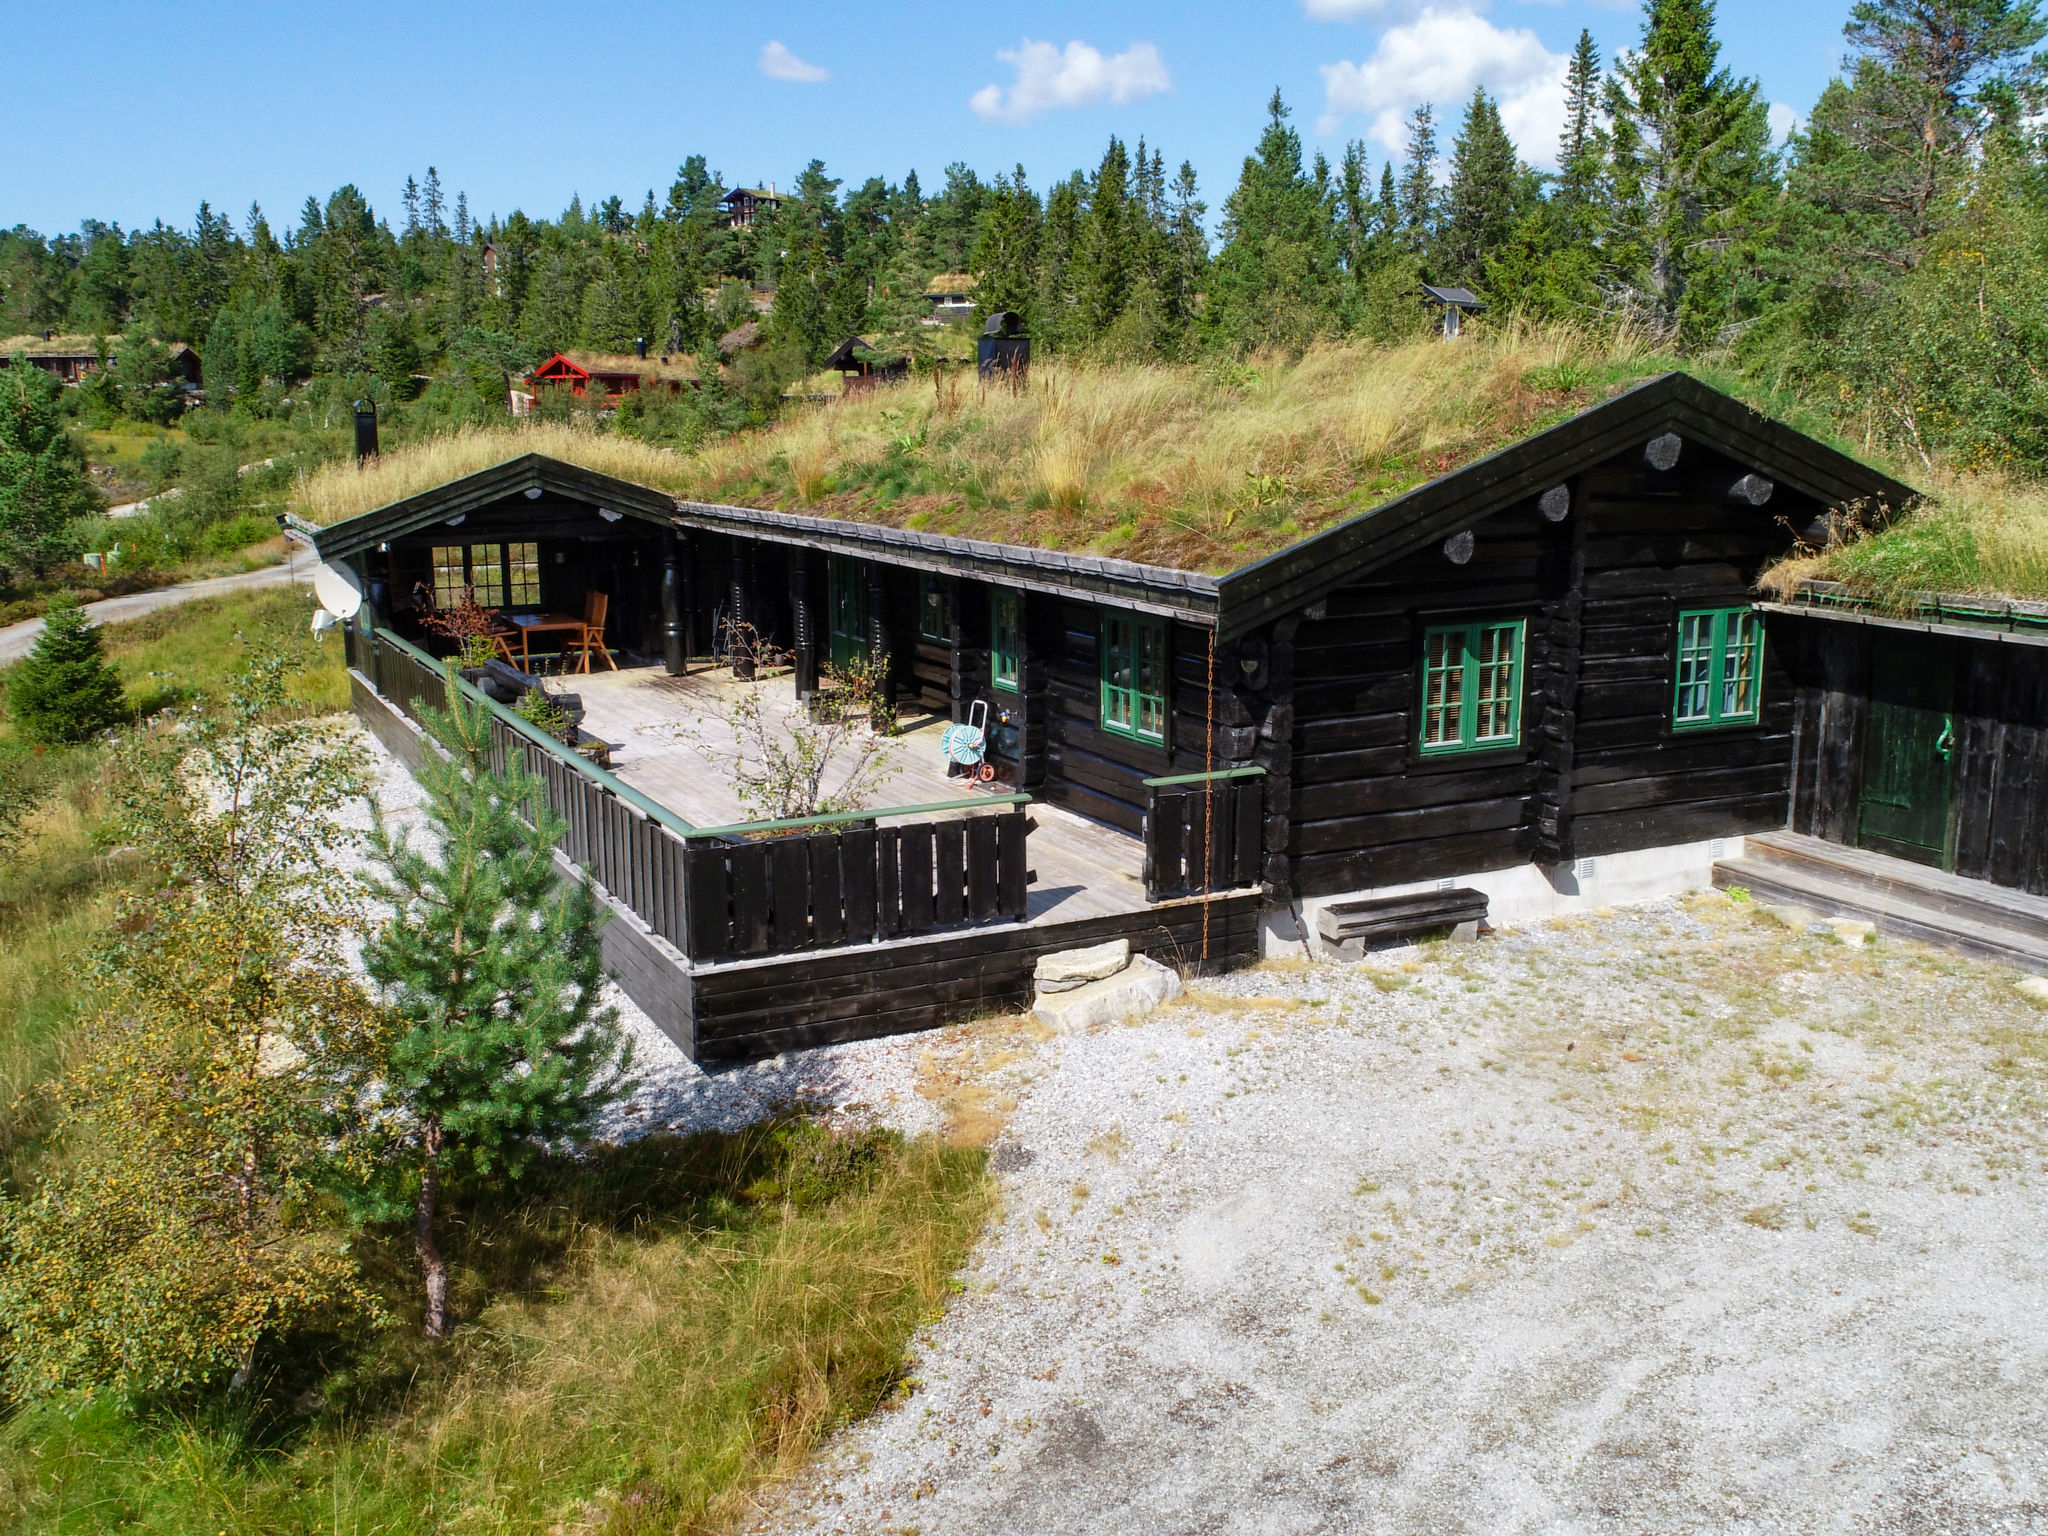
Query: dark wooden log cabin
{"x": 1551, "y": 656}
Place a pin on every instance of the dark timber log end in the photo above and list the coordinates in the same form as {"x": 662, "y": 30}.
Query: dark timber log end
{"x": 1458, "y": 547}
{"x": 1555, "y": 503}
{"x": 1750, "y": 491}
{"x": 1661, "y": 453}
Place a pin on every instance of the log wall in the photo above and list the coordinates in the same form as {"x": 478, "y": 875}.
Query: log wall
{"x": 1599, "y": 768}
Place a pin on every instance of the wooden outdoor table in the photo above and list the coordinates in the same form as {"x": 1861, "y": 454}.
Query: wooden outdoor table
{"x": 531, "y": 624}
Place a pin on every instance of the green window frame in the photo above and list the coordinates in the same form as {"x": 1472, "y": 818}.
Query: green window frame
{"x": 489, "y": 572}
{"x": 1134, "y": 672}
{"x": 935, "y": 609}
{"x": 1472, "y": 686}
{"x": 1006, "y": 639}
{"x": 846, "y": 610}
{"x": 1719, "y": 678}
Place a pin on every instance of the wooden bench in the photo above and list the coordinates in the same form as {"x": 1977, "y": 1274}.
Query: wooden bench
{"x": 1349, "y": 927}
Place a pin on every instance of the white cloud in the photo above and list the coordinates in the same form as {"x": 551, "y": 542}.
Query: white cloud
{"x": 1440, "y": 57}
{"x": 1343, "y": 10}
{"x": 1076, "y": 76}
{"x": 1784, "y": 122}
{"x": 778, "y": 63}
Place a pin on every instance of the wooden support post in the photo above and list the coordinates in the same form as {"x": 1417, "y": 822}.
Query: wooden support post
{"x": 675, "y": 649}
{"x": 740, "y": 638}
{"x": 880, "y": 642}
{"x": 804, "y": 620}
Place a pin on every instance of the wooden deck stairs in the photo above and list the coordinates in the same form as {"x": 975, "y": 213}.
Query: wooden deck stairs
{"x": 1903, "y": 899}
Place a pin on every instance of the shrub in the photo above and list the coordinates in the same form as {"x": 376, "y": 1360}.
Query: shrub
{"x": 65, "y": 691}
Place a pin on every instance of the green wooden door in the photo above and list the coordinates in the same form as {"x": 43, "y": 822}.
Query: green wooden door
{"x": 1908, "y": 749}
{"x": 846, "y": 608}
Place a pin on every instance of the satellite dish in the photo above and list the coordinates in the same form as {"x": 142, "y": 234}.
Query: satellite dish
{"x": 337, "y": 590}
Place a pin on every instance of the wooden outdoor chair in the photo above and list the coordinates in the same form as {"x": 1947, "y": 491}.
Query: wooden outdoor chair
{"x": 591, "y": 642}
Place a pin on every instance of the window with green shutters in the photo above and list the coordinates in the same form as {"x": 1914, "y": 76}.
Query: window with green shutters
{"x": 1720, "y": 667}
{"x": 1471, "y": 686}
{"x": 1134, "y": 663}
{"x": 1006, "y": 640}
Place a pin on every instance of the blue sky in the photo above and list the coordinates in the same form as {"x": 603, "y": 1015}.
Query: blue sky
{"x": 521, "y": 104}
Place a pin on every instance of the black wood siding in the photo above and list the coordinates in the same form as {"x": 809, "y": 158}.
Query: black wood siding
{"x": 1999, "y": 805}
{"x": 1599, "y": 769}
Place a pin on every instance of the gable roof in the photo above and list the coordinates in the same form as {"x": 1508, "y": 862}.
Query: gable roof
{"x": 1670, "y": 403}
{"x": 514, "y": 477}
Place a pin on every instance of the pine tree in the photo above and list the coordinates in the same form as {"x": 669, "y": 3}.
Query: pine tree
{"x": 65, "y": 690}
{"x": 1489, "y": 189}
{"x": 1691, "y": 165}
{"x": 1190, "y": 240}
{"x": 432, "y": 207}
{"x": 491, "y": 968}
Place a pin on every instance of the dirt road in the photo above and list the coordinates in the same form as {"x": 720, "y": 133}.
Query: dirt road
{"x": 17, "y": 639}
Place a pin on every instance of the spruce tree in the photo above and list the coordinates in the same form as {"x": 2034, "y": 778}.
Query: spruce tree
{"x": 1419, "y": 199}
{"x": 1104, "y": 260}
{"x": 1057, "y": 325}
{"x": 1580, "y": 147}
{"x": 1488, "y": 191}
{"x": 1005, "y": 257}
{"x": 43, "y": 484}
{"x": 1274, "y": 282}
{"x": 491, "y": 970}
{"x": 1691, "y": 165}
{"x": 65, "y": 690}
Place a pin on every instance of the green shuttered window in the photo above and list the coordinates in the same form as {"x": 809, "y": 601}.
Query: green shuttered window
{"x": 1006, "y": 641}
{"x": 1471, "y": 686}
{"x": 1134, "y": 663}
{"x": 1720, "y": 666}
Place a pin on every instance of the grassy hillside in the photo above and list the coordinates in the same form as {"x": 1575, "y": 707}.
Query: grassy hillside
{"x": 1210, "y": 467}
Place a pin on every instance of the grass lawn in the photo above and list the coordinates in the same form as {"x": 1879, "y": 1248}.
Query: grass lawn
{"x": 648, "y": 1335}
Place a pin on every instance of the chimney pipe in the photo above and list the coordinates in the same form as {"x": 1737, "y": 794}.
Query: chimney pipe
{"x": 366, "y": 430}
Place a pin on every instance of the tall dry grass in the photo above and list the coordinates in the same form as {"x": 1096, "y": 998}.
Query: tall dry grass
{"x": 1191, "y": 464}
{"x": 1983, "y": 534}
{"x": 343, "y": 490}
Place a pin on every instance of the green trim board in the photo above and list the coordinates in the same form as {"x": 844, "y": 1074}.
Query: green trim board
{"x": 1719, "y": 676}
{"x": 1472, "y": 686}
{"x": 1135, "y": 666}
{"x": 843, "y": 818}
{"x": 1006, "y": 639}
{"x": 1171, "y": 779}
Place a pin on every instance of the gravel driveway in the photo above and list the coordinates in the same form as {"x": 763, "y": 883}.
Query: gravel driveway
{"x": 17, "y": 640}
{"x": 1664, "y": 1220}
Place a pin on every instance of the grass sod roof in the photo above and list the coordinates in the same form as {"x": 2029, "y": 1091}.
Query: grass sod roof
{"x": 1200, "y": 469}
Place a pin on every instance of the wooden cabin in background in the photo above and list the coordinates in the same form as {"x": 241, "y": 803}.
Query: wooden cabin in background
{"x": 743, "y": 205}
{"x": 582, "y": 373}
{"x": 1544, "y": 680}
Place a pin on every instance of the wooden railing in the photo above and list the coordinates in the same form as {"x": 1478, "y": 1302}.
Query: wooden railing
{"x": 631, "y": 845}
{"x": 1204, "y": 832}
{"x": 836, "y": 880}
{"x": 754, "y": 888}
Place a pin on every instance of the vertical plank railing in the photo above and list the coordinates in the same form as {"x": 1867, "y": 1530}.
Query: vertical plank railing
{"x": 629, "y": 848}
{"x": 851, "y": 882}
{"x": 1204, "y": 832}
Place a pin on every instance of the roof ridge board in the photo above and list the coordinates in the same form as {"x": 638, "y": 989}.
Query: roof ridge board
{"x": 940, "y": 543}
{"x": 479, "y": 488}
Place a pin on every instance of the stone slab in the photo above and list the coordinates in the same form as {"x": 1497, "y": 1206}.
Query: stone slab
{"x": 1140, "y": 987}
{"x": 1072, "y": 968}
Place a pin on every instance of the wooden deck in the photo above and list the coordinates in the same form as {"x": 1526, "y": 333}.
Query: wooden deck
{"x": 667, "y": 735}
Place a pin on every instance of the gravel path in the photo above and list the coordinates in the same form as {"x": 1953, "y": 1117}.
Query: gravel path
{"x": 1669, "y": 1219}
{"x": 16, "y": 640}
{"x": 1666, "y": 1220}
